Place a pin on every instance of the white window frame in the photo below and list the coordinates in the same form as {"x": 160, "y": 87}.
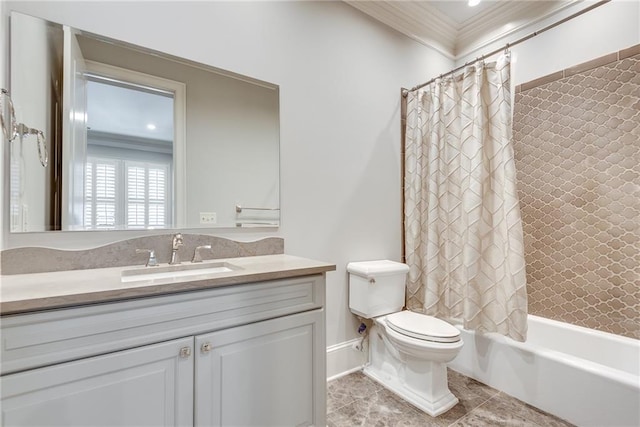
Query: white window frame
{"x": 179, "y": 89}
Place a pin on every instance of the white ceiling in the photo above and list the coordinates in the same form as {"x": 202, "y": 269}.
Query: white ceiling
{"x": 125, "y": 111}
{"x": 454, "y": 28}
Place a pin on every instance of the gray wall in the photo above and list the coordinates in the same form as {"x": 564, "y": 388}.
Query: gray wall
{"x": 339, "y": 74}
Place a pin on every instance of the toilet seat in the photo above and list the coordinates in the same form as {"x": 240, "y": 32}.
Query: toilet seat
{"x": 422, "y": 327}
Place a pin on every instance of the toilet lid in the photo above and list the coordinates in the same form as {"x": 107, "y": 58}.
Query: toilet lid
{"x": 422, "y": 327}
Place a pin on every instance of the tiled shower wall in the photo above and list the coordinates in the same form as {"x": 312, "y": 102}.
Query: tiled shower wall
{"x": 577, "y": 148}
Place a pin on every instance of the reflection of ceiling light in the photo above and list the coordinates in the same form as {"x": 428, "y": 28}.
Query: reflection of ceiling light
{"x": 474, "y": 2}
{"x": 151, "y": 126}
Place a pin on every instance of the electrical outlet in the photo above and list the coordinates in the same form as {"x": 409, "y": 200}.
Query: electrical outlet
{"x": 208, "y": 218}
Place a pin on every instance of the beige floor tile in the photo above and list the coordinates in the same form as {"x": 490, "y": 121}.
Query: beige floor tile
{"x": 356, "y": 400}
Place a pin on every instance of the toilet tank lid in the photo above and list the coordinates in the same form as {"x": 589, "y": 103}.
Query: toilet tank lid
{"x": 377, "y": 268}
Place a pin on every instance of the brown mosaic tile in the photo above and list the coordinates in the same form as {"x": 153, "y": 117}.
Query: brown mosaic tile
{"x": 577, "y": 154}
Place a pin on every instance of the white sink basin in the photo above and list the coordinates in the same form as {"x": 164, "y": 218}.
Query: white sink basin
{"x": 177, "y": 271}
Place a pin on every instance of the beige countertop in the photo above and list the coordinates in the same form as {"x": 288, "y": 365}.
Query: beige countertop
{"x": 23, "y": 293}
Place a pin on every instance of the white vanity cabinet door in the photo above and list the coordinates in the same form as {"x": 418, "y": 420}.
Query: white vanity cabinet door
{"x": 267, "y": 373}
{"x": 145, "y": 386}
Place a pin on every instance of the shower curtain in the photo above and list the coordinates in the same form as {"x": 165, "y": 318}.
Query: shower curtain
{"x": 463, "y": 230}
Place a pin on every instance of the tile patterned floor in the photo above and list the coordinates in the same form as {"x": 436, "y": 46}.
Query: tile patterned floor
{"x": 356, "y": 400}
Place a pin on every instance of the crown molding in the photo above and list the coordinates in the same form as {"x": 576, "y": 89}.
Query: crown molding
{"x": 504, "y": 19}
{"x": 507, "y": 35}
{"x": 426, "y": 24}
{"x": 409, "y": 18}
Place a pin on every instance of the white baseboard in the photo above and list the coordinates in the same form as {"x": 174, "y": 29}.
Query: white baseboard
{"x": 343, "y": 358}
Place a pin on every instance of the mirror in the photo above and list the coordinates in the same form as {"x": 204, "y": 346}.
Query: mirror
{"x": 137, "y": 139}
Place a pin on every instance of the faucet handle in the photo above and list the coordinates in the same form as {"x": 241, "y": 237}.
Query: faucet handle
{"x": 152, "y": 261}
{"x": 197, "y": 257}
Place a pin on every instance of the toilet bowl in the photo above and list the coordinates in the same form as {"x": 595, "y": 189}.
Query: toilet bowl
{"x": 414, "y": 368}
{"x": 408, "y": 351}
{"x": 421, "y": 336}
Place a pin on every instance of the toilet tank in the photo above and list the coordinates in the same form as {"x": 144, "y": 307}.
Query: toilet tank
{"x": 376, "y": 287}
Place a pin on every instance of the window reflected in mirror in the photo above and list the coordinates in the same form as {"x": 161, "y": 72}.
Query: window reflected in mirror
{"x": 122, "y": 124}
{"x": 129, "y": 167}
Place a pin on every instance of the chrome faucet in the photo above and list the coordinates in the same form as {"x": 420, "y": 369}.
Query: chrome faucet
{"x": 176, "y": 242}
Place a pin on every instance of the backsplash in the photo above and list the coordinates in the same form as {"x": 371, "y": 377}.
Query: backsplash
{"x": 120, "y": 254}
{"x": 577, "y": 151}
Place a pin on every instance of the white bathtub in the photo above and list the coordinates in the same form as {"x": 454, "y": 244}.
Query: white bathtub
{"x": 586, "y": 377}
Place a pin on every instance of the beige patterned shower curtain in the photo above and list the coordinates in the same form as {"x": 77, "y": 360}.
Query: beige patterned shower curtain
{"x": 463, "y": 230}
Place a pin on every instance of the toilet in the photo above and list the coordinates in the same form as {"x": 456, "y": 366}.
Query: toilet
{"x": 408, "y": 351}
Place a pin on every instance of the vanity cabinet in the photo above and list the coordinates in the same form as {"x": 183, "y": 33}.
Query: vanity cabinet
{"x": 247, "y": 354}
{"x": 260, "y": 374}
{"x": 145, "y": 386}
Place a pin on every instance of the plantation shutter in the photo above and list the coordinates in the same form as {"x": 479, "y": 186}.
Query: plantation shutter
{"x": 135, "y": 194}
{"x": 101, "y": 182}
{"x": 147, "y": 201}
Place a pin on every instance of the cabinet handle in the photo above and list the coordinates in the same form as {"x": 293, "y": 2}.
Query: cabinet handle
{"x": 206, "y": 348}
{"x": 185, "y": 352}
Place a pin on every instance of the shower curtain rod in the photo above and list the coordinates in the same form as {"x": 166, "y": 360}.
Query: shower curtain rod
{"x": 405, "y": 92}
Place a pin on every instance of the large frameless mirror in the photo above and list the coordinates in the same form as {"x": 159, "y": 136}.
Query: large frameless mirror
{"x": 136, "y": 139}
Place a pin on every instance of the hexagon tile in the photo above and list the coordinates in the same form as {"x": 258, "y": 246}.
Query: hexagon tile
{"x": 577, "y": 150}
